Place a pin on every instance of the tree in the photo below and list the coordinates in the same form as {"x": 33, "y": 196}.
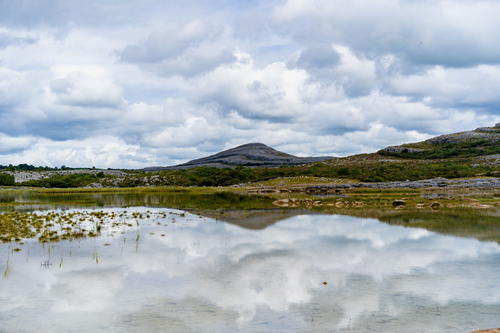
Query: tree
{"x": 7, "y": 179}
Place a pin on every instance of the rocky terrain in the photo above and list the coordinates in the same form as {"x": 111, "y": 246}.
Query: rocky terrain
{"x": 248, "y": 155}
{"x": 23, "y": 176}
{"x": 335, "y": 188}
{"x": 481, "y": 141}
{"x": 436, "y": 182}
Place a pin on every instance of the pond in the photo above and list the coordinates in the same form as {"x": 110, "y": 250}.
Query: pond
{"x": 159, "y": 269}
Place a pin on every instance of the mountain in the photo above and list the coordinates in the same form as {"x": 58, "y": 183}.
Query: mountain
{"x": 249, "y": 155}
{"x": 479, "y": 142}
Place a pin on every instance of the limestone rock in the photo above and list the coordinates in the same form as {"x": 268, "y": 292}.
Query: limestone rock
{"x": 398, "y": 203}
{"x": 435, "y": 205}
{"x": 401, "y": 149}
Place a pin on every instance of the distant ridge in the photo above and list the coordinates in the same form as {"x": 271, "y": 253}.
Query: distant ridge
{"x": 481, "y": 141}
{"x": 248, "y": 155}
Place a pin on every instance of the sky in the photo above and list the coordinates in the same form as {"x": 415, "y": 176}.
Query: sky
{"x": 130, "y": 84}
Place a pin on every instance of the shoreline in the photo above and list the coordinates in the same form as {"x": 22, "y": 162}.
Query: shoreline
{"x": 439, "y": 193}
{"x": 326, "y": 185}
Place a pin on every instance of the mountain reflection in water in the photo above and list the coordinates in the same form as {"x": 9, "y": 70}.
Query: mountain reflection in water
{"x": 192, "y": 273}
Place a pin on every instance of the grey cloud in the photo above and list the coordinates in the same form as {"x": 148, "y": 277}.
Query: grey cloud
{"x": 68, "y": 129}
{"x": 465, "y": 88}
{"x": 86, "y": 93}
{"x": 318, "y": 56}
{"x": 165, "y": 44}
{"x": 11, "y": 145}
{"x": 7, "y": 39}
{"x": 423, "y": 32}
{"x": 340, "y": 67}
{"x": 194, "y": 62}
{"x": 194, "y": 48}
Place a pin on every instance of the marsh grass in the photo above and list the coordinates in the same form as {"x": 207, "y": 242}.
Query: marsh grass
{"x": 54, "y": 226}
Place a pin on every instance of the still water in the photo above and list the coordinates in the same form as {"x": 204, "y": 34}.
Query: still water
{"x": 181, "y": 272}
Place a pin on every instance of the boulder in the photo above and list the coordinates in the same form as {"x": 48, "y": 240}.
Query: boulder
{"x": 398, "y": 203}
{"x": 435, "y": 205}
{"x": 401, "y": 149}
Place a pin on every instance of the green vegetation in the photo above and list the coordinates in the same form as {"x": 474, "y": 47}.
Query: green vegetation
{"x": 342, "y": 171}
{"x": 29, "y": 167}
{"x": 467, "y": 148}
{"x": 366, "y": 172}
{"x": 210, "y": 176}
{"x": 6, "y": 179}
{"x": 54, "y": 226}
{"x": 65, "y": 181}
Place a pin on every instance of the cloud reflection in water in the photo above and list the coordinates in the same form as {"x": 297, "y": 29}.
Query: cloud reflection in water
{"x": 206, "y": 275}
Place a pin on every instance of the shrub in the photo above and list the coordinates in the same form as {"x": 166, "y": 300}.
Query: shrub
{"x": 6, "y": 179}
{"x": 64, "y": 181}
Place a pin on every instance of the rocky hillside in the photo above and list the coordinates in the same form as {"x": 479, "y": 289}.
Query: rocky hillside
{"x": 479, "y": 142}
{"x": 248, "y": 155}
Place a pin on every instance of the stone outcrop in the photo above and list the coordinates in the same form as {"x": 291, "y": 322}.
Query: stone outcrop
{"x": 401, "y": 149}
{"x": 486, "y": 133}
{"x": 398, "y": 203}
{"x": 309, "y": 203}
{"x": 436, "y": 182}
{"x": 24, "y": 176}
{"x": 490, "y": 136}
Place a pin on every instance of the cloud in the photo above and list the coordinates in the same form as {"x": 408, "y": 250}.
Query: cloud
{"x": 464, "y": 87}
{"x": 9, "y": 145}
{"x": 274, "y": 91}
{"x": 102, "y": 151}
{"x": 12, "y": 87}
{"x": 448, "y": 33}
{"x": 86, "y": 88}
{"x": 194, "y": 48}
{"x": 319, "y": 56}
{"x": 338, "y": 65}
{"x": 7, "y": 39}
{"x": 180, "y": 82}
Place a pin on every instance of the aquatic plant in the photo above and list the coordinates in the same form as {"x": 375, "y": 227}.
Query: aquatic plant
{"x": 53, "y": 226}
